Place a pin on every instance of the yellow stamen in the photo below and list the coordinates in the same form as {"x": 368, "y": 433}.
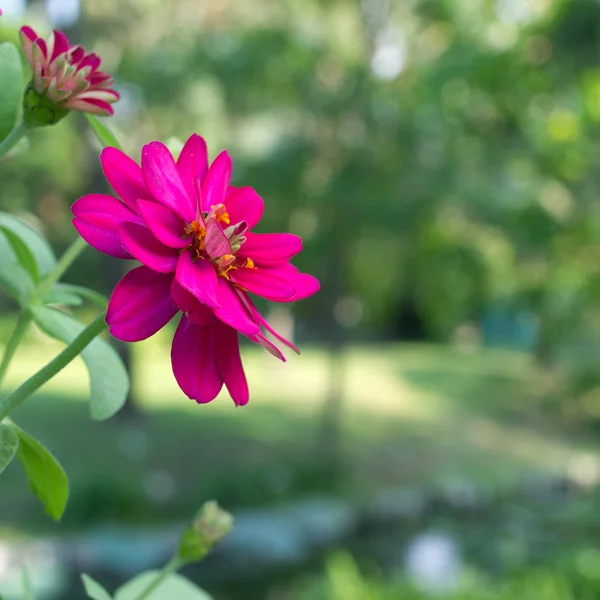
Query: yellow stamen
{"x": 249, "y": 264}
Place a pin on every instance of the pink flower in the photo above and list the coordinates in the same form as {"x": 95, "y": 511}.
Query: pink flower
{"x": 66, "y": 75}
{"x": 192, "y": 232}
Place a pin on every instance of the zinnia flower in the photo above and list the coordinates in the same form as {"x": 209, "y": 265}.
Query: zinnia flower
{"x": 66, "y": 76}
{"x": 192, "y": 232}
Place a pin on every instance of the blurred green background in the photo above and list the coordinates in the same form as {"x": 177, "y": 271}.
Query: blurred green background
{"x": 439, "y": 158}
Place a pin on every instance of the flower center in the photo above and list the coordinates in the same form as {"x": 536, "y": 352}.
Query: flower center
{"x": 209, "y": 241}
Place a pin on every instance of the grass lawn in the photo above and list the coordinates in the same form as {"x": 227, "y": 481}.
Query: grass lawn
{"x": 415, "y": 415}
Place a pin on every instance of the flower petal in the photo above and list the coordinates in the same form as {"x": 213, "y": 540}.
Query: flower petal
{"x": 140, "y": 305}
{"x": 268, "y": 248}
{"x": 264, "y": 283}
{"x": 214, "y": 186}
{"x": 124, "y": 176}
{"x": 216, "y": 242}
{"x": 194, "y": 362}
{"x": 260, "y": 339}
{"x": 141, "y": 244}
{"x": 165, "y": 226}
{"x": 229, "y": 362}
{"x": 199, "y": 278}
{"x": 28, "y": 37}
{"x": 192, "y": 163}
{"x": 91, "y": 105}
{"x": 98, "y": 218}
{"x": 231, "y": 310}
{"x": 244, "y": 204}
{"x": 304, "y": 284}
{"x": 163, "y": 180}
{"x": 197, "y": 312}
{"x": 60, "y": 44}
{"x": 258, "y": 318}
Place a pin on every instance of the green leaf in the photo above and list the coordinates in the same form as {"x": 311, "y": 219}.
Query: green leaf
{"x": 173, "y": 586}
{"x": 109, "y": 382}
{"x": 80, "y": 292}
{"x": 14, "y": 279}
{"x": 46, "y": 477}
{"x": 93, "y": 589}
{"x": 11, "y": 90}
{"x": 9, "y": 444}
{"x": 37, "y": 251}
{"x": 27, "y": 587}
{"x": 59, "y": 295}
{"x": 22, "y": 252}
{"x": 103, "y": 133}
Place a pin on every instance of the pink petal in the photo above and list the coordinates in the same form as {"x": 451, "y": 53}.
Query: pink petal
{"x": 244, "y": 204}
{"x": 28, "y": 37}
{"x": 124, "y": 176}
{"x": 267, "y": 248}
{"x": 100, "y": 95}
{"x": 199, "y": 278}
{"x": 188, "y": 304}
{"x": 61, "y": 44}
{"x": 216, "y": 242}
{"x": 304, "y": 284}
{"x": 267, "y": 345}
{"x": 194, "y": 362}
{"x": 192, "y": 163}
{"x": 98, "y": 218}
{"x": 163, "y": 180}
{"x": 165, "y": 226}
{"x": 264, "y": 283}
{"x": 141, "y": 244}
{"x": 91, "y": 60}
{"x": 214, "y": 186}
{"x": 140, "y": 305}
{"x": 91, "y": 105}
{"x": 262, "y": 321}
{"x": 231, "y": 310}
{"x": 229, "y": 362}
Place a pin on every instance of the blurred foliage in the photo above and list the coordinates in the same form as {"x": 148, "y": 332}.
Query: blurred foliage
{"x": 343, "y": 581}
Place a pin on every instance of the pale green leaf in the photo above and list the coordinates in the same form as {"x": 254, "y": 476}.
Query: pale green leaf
{"x": 81, "y": 292}
{"x": 103, "y": 133}
{"x": 109, "y": 382}
{"x": 14, "y": 279}
{"x": 39, "y": 250}
{"x": 93, "y": 589}
{"x": 11, "y": 90}
{"x": 173, "y": 586}
{"x": 46, "y": 477}
{"x": 9, "y": 444}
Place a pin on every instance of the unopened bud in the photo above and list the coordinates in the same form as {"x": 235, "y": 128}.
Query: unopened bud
{"x": 210, "y": 525}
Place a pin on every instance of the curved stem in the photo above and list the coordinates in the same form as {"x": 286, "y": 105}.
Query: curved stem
{"x": 37, "y": 380}
{"x": 10, "y": 141}
{"x": 173, "y": 565}
{"x": 65, "y": 261}
{"x": 14, "y": 341}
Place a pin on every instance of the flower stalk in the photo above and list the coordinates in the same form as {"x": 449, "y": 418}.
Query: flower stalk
{"x": 36, "y": 381}
{"x": 13, "y": 138}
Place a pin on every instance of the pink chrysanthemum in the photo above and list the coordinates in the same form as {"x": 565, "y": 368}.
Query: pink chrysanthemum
{"x": 192, "y": 233}
{"x": 67, "y": 75}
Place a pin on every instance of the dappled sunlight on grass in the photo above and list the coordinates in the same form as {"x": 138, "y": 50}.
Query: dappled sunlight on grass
{"x": 413, "y": 415}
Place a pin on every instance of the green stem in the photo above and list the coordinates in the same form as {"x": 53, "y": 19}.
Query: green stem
{"x": 173, "y": 565}
{"x": 10, "y": 141}
{"x": 14, "y": 341}
{"x": 65, "y": 261}
{"x": 59, "y": 362}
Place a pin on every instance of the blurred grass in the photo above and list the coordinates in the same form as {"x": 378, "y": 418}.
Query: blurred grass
{"x": 414, "y": 415}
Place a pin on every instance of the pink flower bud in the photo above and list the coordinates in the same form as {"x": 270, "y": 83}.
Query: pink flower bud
{"x": 65, "y": 77}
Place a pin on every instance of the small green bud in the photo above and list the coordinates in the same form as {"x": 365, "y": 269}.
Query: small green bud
{"x": 210, "y": 525}
{"x": 38, "y": 110}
